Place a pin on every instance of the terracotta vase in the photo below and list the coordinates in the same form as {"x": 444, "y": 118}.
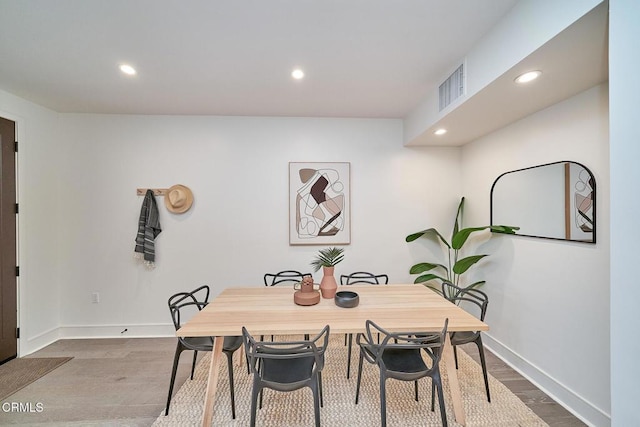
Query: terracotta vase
{"x": 306, "y": 295}
{"x": 306, "y": 285}
{"x": 328, "y": 285}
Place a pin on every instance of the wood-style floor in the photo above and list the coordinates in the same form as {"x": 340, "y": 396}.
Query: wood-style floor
{"x": 541, "y": 404}
{"x": 124, "y": 382}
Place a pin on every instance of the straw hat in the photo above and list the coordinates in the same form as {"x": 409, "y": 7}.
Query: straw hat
{"x": 178, "y": 199}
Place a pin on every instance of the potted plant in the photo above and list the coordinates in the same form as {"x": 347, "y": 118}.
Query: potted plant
{"x": 327, "y": 259}
{"x": 456, "y": 265}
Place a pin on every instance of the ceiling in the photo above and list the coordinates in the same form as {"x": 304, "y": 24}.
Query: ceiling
{"x": 571, "y": 62}
{"x": 362, "y": 58}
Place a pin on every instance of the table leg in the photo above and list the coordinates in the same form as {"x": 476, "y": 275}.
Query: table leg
{"x": 212, "y": 383}
{"x": 454, "y": 384}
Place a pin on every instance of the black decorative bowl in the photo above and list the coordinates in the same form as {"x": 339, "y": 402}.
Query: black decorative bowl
{"x": 347, "y": 299}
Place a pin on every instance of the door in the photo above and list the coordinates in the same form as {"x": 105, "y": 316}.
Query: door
{"x": 8, "y": 282}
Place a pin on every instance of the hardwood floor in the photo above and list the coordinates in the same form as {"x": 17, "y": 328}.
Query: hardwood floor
{"x": 542, "y": 405}
{"x": 124, "y": 382}
{"x": 115, "y": 382}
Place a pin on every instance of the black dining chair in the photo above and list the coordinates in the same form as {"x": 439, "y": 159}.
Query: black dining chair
{"x": 286, "y": 277}
{"x": 364, "y": 277}
{"x": 400, "y": 356}
{"x": 182, "y": 306}
{"x": 286, "y": 366}
{"x": 475, "y": 302}
{"x": 352, "y": 279}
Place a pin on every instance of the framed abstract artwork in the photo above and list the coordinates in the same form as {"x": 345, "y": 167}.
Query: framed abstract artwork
{"x": 319, "y": 200}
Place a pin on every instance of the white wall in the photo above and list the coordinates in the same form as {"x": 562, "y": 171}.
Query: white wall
{"x": 79, "y": 210}
{"x": 38, "y": 291}
{"x": 549, "y": 309}
{"x": 625, "y": 233}
{"x": 238, "y": 227}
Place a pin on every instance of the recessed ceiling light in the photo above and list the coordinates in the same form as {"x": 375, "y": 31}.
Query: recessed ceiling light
{"x": 297, "y": 74}
{"x": 441, "y": 131}
{"x": 128, "y": 69}
{"x": 528, "y": 76}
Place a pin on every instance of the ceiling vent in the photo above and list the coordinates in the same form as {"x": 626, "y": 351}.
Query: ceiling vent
{"x": 452, "y": 88}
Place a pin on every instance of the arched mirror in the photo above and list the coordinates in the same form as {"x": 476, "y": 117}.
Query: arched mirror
{"x": 553, "y": 201}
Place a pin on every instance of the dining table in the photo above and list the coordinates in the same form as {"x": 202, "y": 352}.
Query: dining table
{"x": 272, "y": 311}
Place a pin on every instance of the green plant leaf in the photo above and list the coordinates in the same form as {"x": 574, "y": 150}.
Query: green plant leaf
{"x": 460, "y": 238}
{"x": 327, "y": 257}
{"x": 458, "y": 222}
{"x": 434, "y": 288}
{"x": 414, "y": 236}
{"x": 430, "y": 232}
{"x": 424, "y": 266}
{"x": 507, "y": 229}
{"x": 465, "y": 263}
{"x": 427, "y": 277}
{"x": 476, "y": 284}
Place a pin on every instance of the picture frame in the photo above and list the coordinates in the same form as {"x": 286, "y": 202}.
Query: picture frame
{"x": 579, "y": 203}
{"x": 319, "y": 203}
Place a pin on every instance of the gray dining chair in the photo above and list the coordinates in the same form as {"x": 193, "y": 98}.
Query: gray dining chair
{"x": 474, "y": 301}
{"x": 400, "y": 356}
{"x": 286, "y": 277}
{"x": 363, "y": 277}
{"x": 183, "y": 305}
{"x": 286, "y": 366}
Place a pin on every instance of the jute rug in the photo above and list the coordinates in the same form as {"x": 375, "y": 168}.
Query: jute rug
{"x": 296, "y": 408}
{"x": 19, "y": 373}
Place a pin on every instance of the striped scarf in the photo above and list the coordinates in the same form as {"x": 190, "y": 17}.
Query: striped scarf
{"x": 148, "y": 230}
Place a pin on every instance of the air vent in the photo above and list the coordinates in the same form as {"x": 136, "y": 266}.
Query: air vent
{"x": 452, "y": 88}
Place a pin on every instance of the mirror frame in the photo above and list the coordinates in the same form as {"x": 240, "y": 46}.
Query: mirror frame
{"x": 593, "y": 180}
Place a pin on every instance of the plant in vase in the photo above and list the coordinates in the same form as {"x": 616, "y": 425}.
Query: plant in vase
{"x": 327, "y": 259}
{"x": 456, "y": 265}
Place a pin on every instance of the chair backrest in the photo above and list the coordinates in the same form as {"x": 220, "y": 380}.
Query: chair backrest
{"x": 364, "y": 277}
{"x": 259, "y": 352}
{"x": 284, "y": 277}
{"x": 183, "y": 305}
{"x": 431, "y": 342}
{"x": 470, "y": 299}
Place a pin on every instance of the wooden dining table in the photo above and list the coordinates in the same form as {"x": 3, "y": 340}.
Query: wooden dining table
{"x": 272, "y": 311}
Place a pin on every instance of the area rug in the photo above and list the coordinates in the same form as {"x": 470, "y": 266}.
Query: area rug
{"x": 16, "y": 374}
{"x": 296, "y": 408}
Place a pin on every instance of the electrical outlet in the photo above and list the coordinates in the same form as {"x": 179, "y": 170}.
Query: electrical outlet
{"x": 95, "y": 297}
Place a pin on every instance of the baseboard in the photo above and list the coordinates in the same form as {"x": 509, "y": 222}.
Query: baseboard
{"x": 153, "y": 330}
{"x": 573, "y": 402}
{"x": 38, "y": 342}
